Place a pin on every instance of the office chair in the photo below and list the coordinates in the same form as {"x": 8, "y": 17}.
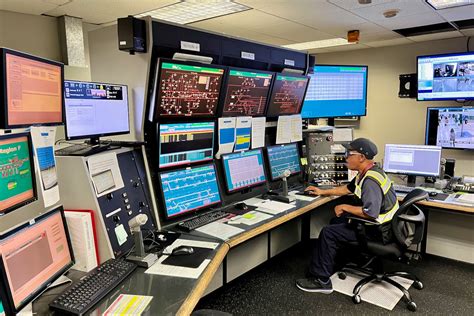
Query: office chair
{"x": 408, "y": 225}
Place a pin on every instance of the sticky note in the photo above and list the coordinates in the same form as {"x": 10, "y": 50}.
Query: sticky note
{"x": 121, "y": 234}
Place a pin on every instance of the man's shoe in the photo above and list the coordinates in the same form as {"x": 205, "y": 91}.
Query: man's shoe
{"x": 314, "y": 285}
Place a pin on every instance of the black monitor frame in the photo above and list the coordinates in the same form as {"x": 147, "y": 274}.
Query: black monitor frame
{"x": 158, "y": 141}
{"x": 32, "y": 169}
{"x": 272, "y": 91}
{"x": 163, "y": 211}
{"x": 366, "y": 91}
{"x": 248, "y": 187}
{"x": 269, "y": 164}
{"x": 3, "y": 88}
{"x": 157, "y": 117}
{"x": 225, "y": 83}
{"x": 94, "y": 138}
{"x": 5, "y": 292}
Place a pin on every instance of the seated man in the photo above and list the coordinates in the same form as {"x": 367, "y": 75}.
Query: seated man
{"x": 379, "y": 203}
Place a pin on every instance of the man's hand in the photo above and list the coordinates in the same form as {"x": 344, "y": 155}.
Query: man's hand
{"x": 314, "y": 190}
{"x": 339, "y": 210}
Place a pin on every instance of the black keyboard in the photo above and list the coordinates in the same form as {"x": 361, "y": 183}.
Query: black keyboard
{"x": 201, "y": 220}
{"x": 82, "y": 296}
{"x": 81, "y": 150}
{"x": 402, "y": 188}
{"x": 121, "y": 143}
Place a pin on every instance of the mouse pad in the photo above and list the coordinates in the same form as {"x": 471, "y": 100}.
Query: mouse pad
{"x": 236, "y": 211}
{"x": 193, "y": 260}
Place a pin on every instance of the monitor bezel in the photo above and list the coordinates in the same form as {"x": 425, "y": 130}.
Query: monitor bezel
{"x": 157, "y": 117}
{"x": 269, "y": 164}
{"x": 32, "y": 168}
{"x": 435, "y": 56}
{"x": 225, "y": 83}
{"x": 5, "y": 288}
{"x": 428, "y": 109}
{"x": 101, "y": 134}
{"x": 188, "y": 164}
{"x": 365, "y": 96}
{"x": 414, "y": 173}
{"x": 163, "y": 209}
{"x": 267, "y": 114}
{"x": 228, "y": 191}
{"x": 4, "y": 94}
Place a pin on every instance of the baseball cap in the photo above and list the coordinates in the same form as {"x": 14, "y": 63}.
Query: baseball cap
{"x": 363, "y": 146}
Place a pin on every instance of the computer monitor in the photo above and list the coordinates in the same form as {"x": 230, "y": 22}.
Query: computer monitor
{"x": 287, "y": 95}
{"x": 33, "y": 255}
{"x": 185, "y": 143}
{"x": 282, "y": 158}
{"x": 246, "y": 92}
{"x": 450, "y": 127}
{"x": 412, "y": 160}
{"x": 336, "y": 91}
{"x": 446, "y": 77}
{"x": 17, "y": 181}
{"x": 243, "y": 170}
{"x": 31, "y": 90}
{"x": 189, "y": 190}
{"x": 187, "y": 89}
{"x": 95, "y": 109}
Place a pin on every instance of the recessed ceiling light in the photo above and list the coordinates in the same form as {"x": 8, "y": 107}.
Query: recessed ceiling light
{"x": 189, "y": 11}
{"x": 444, "y": 4}
{"x": 319, "y": 44}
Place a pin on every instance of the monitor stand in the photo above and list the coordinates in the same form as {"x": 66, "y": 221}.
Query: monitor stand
{"x": 411, "y": 181}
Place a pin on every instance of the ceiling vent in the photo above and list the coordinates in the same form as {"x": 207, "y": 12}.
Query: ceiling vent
{"x": 426, "y": 29}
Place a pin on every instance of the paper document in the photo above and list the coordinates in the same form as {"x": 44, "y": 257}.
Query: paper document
{"x": 43, "y": 142}
{"x": 274, "y": 207}
{"x": 105, "y": 173}
{"x": 467, "y": 198}
{"x": 283, "y": 129}
{"x": 249, "y": 218}
{"x": 302, "y": 197}
{"x": 342, "y": 134}
{"x": 179, "y": 271}
{"x": 226, "y": 135}
{"x": 296, "y": 128}
{"x": 220, "y": 230}
{"x": 337, "y": 149}
{"x": 258, "y": 132}
{"x": 127, "y": 304}
{"x": 243, "y": 132}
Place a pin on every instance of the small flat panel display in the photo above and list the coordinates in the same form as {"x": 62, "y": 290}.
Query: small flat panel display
{"x": 450, "y": 127}
{"x": 336, "y": 91}
{"x": 33, "y": 90}
{"x": 185, "y": 143}
{"x": 287, "y": 95}
{"x": 412, "y": 159}
{"x": 189, "y": 190}
{"x": 95, "y": 109}
{"x": 188, "y": 90}
{"x": 34, "y": 255}
{"x": 17, "y": 175}
{"x": 446, "y": 77}
{"x": 246, "y": 92}
{"x": 282, "y": 158}
{"x": 243, "y": 170}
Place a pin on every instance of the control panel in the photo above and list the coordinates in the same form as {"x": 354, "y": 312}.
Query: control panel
{"x": 326, "y": 162}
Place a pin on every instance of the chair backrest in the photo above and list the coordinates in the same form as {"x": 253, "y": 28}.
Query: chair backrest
{"x": 408, "y": 223}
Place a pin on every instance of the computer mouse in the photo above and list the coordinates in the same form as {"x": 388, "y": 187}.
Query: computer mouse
{"x": 432, "y": 193}
{"x": 241, "y": 206}
{"x": 182, "y": 250}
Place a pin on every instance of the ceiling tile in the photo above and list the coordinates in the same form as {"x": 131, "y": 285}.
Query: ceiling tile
{"x": 406, "y": 7}
{"x": 458, "y": 13}
{"x": 295, "y": 32}
{"x": 401, "y": 22}
{"x": 391, "y": 42}
{"x": 379, "y": 36}
{"x": 436, "y": 36}
{"x": 347, "y": 47}
{"x": 26, "y": 6}
{"x": 351, "y": 5}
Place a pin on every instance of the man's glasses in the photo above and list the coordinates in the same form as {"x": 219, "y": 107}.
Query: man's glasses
{"x": 351, "y": 153}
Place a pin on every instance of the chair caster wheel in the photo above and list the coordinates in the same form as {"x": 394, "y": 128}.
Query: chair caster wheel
{"x": 342, "y": 275}
{"x": 418, "y": 285}
{"x": 357, "y": 300}
{"x": 411, "y": 306}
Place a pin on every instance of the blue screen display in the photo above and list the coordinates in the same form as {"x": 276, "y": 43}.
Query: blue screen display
{"x": 283, "y": 157}
{"x": 189, "y": 189}
{"x": 243, "y": 170}
{"x": 336, "y": 91}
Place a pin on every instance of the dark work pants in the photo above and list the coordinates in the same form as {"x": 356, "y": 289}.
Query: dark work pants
{"x": 327, "y": 245}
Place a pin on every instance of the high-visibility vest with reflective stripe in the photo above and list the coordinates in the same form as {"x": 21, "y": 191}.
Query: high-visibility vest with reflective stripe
{"x": 385, "y": 185}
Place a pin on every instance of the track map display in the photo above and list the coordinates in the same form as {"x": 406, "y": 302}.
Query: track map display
{"x": 287, "y": 95}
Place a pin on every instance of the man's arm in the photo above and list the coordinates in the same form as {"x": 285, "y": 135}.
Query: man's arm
{"x": 351, "y": 209}
{"x": 342, "y": 190}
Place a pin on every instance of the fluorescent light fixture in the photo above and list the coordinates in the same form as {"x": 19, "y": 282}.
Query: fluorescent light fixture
{"x": 189, "y": 11}
{"x": 319, "y": 44}
{"x": 444, "y": 4}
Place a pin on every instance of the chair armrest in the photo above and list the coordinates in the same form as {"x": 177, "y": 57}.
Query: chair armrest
{"x": 412, "y": 218}
{"x": 362, "y": 220}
